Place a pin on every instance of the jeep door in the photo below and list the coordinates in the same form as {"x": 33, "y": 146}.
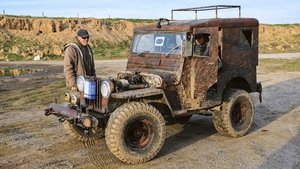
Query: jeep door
{"x": 200, "y": 72}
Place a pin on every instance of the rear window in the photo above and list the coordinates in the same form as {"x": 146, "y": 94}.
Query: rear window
{"x": 245, "y": 39}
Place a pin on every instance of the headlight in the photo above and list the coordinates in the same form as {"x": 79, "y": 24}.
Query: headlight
{"x": 80, "y": 83}
{"x": 105, "y": 89}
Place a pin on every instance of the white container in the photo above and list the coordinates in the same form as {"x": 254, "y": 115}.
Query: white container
{"x": 90, "y": 89}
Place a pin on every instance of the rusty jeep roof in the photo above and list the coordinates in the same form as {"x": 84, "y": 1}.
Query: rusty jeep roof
{"x": 187, "y": 25}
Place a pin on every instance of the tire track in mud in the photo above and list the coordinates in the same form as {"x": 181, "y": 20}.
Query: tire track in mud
{"x": 100, "y": 156}
{"x": 93, "y": 153}
{"x": 56, "y": 155}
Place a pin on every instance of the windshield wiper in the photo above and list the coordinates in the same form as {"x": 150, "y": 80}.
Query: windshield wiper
{"x": 145, "y": 51}
{"x": 142, "y": 53}
{"x": 176, "y": 47}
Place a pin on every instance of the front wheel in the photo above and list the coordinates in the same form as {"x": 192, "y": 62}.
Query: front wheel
{"x": 236, "y": 115}
{"x": 135, "y": 132}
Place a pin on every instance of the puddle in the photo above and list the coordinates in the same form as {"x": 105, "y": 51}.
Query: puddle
{"x": 16, "y": 72}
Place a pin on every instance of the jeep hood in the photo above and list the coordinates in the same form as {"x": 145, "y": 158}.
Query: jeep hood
{"x": 168, "y": 68}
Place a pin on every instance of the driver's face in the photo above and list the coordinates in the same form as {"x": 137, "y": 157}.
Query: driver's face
{"x": 200, "y": 40}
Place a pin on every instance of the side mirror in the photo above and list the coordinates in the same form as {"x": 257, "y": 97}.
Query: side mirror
{"x": 187, "y": 50}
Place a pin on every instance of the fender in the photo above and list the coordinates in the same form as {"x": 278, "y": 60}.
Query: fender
{"x": 142, "y": 93}
{"x": 139, "y": 93}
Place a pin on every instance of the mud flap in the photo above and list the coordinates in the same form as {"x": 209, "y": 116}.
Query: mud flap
{"x": 259, "y": 90}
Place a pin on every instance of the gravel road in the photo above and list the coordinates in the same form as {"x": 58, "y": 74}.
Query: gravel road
{"x": 28, "y": 139}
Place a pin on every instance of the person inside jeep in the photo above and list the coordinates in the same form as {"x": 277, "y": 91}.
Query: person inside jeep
{"x": 201, "y": 44}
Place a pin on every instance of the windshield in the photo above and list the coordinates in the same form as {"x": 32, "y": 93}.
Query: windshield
{"x": 163, "y": 43}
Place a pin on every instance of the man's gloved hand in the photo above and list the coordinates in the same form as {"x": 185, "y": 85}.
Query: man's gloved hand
{"x": 74, "y": 88}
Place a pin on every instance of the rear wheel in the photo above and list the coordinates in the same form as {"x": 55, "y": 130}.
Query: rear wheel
{"x": 135, "y": 132}
{"x": 236, "y": 115}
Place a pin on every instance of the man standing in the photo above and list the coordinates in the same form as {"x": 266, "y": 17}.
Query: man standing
{"x": 78, "y": 59}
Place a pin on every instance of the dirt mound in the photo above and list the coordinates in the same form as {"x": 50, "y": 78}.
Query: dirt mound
{"x": 279, "y": 38}
{"x": 28, "y": 37}
{"x": 108, "y": 30}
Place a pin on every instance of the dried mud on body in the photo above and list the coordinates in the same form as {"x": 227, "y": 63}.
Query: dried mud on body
{"x": 28, "y": 139}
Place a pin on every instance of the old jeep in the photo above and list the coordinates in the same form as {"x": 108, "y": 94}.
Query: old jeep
{"x": 166, "y": 81}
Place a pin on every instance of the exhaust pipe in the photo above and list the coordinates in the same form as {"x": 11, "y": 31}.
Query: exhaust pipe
{"x": 60, "y": 110}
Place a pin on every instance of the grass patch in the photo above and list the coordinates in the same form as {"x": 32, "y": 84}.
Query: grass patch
{"x": 14, "y": 57}
{"x": 110, "y": 50}
{"x": 27, "y": 48}
{"x": 285, "y": 25}
{"x": 24, "y": 99}
{"x": 102, "y": 49}
{"x": 135, "y": 20}
{"x": 287, "y": 65}
{"x": 130, "y": 20}
{"x": 53, "y": 57}
{"x": 23, "y": 44}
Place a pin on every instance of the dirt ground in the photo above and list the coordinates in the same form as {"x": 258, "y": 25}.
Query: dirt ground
{"x": 28, "y": 139}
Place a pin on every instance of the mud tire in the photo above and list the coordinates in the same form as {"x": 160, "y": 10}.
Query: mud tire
{"x": 236, "y": 115}
{"x": 135, "y": 132}
{"x": 78, "y": 133}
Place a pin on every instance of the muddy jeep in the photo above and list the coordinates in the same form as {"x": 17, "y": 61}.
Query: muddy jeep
{"x": 165, "y": 82}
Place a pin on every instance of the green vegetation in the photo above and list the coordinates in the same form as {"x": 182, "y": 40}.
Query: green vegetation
{"x": 20, "y": 43}
{"x": 286, "y": 25}
{"x": 53, "y": 57}
{"x": 109, "y": 50}
{"x": 130, "y": 20}
{"x": 23, "y": 44}
{"x": 102, "y": 49}
{"x": 25, "y": 48}
{"x": 38, "y": 96}
{"x": 134, "y": 20}
{"x": 14, "y": 57}
{"x": 288, "y": 65}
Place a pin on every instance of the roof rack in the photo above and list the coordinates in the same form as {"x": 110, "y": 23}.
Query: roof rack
{"x": 207, "y": 8}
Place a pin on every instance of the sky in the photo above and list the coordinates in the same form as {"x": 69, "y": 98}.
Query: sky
{"x": 266, "y": 11}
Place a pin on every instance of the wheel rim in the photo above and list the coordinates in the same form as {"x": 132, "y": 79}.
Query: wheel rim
{"x": 138, "y": 134}
{"x": 239, "y": 115}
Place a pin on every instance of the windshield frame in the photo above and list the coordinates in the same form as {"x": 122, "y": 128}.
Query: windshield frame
{"x": 158, "y": 43}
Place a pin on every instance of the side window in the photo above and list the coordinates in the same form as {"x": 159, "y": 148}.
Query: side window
{"x": 245, "y": 39}
{"x": 201, "y": 44}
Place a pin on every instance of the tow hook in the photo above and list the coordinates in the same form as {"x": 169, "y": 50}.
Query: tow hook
{"x": 62, "y": 119}
{"x": 86, "y": 132}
